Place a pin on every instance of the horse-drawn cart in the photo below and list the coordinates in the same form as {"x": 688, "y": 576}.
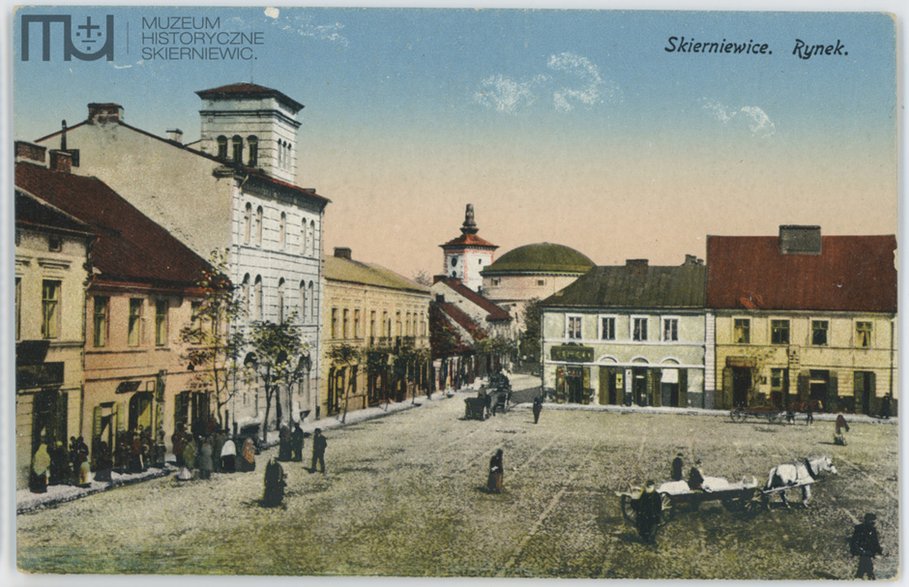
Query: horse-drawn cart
{"x": 769, "y": 413}
{"x": 742, "y": 496}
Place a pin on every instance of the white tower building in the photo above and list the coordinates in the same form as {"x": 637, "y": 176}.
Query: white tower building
{"x": 467, "y": 255}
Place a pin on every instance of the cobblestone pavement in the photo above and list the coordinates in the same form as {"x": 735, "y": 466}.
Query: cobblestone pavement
{"x": 404, "y": 496}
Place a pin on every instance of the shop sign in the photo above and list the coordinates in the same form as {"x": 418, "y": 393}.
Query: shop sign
{"x": 39, "y": 375}
{"x": 128, "y": 386}
{"x": 572, "y": 353}
{"x": 741, "y": 362}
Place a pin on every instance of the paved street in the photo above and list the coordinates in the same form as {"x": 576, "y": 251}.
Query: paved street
{"x": 404, "y": 496}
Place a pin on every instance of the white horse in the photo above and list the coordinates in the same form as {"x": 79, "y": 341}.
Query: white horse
{"x": 798, "y": 474}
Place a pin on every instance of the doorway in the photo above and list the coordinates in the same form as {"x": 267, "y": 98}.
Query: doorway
{"x": 741, "y": 385}
{"x": 863, "y": 390}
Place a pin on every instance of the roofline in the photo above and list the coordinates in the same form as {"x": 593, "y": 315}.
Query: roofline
{"x": 463, "y": 246}
{"x": 270, "y": 92}
{"x": 697, "y": 309}
{"x": 485, "y": 272}
{"x": 426, "y": 292}
{"x": 131, "y": 284}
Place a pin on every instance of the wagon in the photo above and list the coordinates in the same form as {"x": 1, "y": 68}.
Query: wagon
{"x": 475, "y": 408}
{"x": 742, "y": 496}
{"x": 769, "y": 413}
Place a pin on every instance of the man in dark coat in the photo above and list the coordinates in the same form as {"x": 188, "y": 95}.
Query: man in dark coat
{"x": 537, "y": 408}
{"x": 318, "y": 450}
{"x": 178, "y": 441}
{"x": 274, "y": 484}
{"x": 865, "y": 545}
{"x": 677, "y": 466}
{"x": 695, "y": 477}
{"x": 809, "y": 412}
{"x": 284, "y": 448}
{"x": 296, "y": 442}
{"x": 648, "y": 513}
{"x": 885, "y": 406}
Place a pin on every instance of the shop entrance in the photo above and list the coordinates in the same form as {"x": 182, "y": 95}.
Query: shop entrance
{"x": 612, "y": 387}
{"x": 49, "y": 418}
{"x": 574, "y": 384}
{"x": 818, "y": 387}
{"x": 741, "y": 385}
{"x": 639, "y": 386}
{"x": 863, "y": 390}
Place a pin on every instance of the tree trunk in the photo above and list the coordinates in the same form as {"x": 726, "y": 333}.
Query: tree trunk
{"x": 350, "y": 380}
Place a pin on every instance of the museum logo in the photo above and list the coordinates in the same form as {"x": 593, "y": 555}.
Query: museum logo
{"x": 88, "y": 40}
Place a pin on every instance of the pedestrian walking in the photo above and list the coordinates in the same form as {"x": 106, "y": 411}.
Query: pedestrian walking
{"x": 695, "y": 476}
{"x": 229, "y": 456}
{"x": 284, "y": 443}
{"x": 247, "y": 460}
{"x": 40, "y": 469}
{"x": 677, "y": 467}
{"x": 217, "y": 443}
{"x": 840, "y": 429}
{"x": 790, "y": 415}
{"x": 135, "y": 454}
{"x": 809, "y": 412}
{"x": 205, "y": 459}
{"x": 648, "y": 513}
{"x": 496, "y": 479}
{"x": 296, "y": 443}
{"x": 319, "y": 444}
{"x": 537, "y": 408}
{"x": 274, "y": 484}
{"x": 865, "y": 545}
{"x": 885, "y": 406}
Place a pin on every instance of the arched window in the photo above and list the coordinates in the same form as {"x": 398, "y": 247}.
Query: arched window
{"x": 237, "y": 141}
{"x": 259, "y": 213}
{"x": 312, "y": 238}
{"x": 303, "y": 300}
{"x": 303, "y": 244}
{"x": 281, "y": 301}
{"x": 313, "y": 314}
{"x": 247, "y": 223}
{"x": 259, "y": 302}
{"x": 253, "y": 142}
{"x": 245, "y": 294}
{"x": 222, "y": 147}
{"x": 287, "y": 157}
{"x": 282, "y": 231}
{"x": 280, "y": 153}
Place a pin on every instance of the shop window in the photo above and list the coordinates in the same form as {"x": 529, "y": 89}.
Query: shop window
{"x": 779, "y": 331}
{"x": 863, "y": 331}
{"x": 50, "y": 309}
{"x": 819, "y": 332}
{"x": 777, "y": 377}
{"x": 741, "y": 330}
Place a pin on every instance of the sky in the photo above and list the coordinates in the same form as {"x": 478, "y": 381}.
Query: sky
{"x": 575, "y": 127}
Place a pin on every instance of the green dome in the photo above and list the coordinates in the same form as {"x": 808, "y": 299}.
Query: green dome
{"x": 540, "y": 258}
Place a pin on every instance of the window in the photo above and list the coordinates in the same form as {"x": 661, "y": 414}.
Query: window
{"x": 195, "y": 314}
{"x": 54, "y": 244}
{"x": 312, "y": 237}
{"x": 161, "y": 307}
{"x": 741, "y": 330}
{"x": 779, "y": 331}
{"x": 260, "y": 303}
{"x": 134, "y": 324}
{"x": 541, "y": 282}
{"x": 334, "y": 323}
{"x": 638, "y": 328}
{"x": 50, "y": 309}
{"x": 100, "y": 321}
{"x": 386, "y": 325}
{"x": 253, "y": 150}
{"x": 607, "y": 327}
{"x": 670, "y": 329}
{"x": 18, "y": 306}
{"x": 304, "y": 245}
{"x": 356, "y": 330}
{"x": 777, "y": 379}
{"x": 303, "y": 301}
{"x": 819, "y": 332}
{"x": 397, "y": 323}
{"x": 245, "y": 293}
{"x": 496, "y": 281}
{"x": 313, "y": 312}
{"x": 281, "y": 301}
{"x": 247, "y": 223}
{"x": 282, "y": 231}
{"x": 863, "y": 334}
{"x": 259, "y": 213}
{"x": 222, "y": 147}
{"x": 573, "y": 330}
{"x": 280, "y": 153}
{"x": 372, "y": 324}
{"x": 237, "y": 141}
{"x": 288, "y": 160}
{"x": 454, "y": 261}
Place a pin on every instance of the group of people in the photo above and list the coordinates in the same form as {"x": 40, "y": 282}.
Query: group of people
{"x": 213, "y": 453}
{"x": 55, "y": 463}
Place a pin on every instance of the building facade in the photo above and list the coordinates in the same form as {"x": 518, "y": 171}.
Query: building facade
{"x": 376, "y": 342}
{"x": 51, "y": 272}
{"x": 803, "y": 317}
{"x": 230, "y": 190}
{"x": 632, "y": 334}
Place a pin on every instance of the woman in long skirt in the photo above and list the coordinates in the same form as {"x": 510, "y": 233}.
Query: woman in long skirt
{"x": 496, "y": 473}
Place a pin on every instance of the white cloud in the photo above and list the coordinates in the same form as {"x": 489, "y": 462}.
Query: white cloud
{"x": 504, "y": 94}
{"x": 587, "y": 74}
{"x": 304, "y": 26}
{"x": 753, "y": 117}
{"x": 272, "y": 12}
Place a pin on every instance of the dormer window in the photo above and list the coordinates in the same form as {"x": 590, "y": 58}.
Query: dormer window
{"x": 253, "y": 150}
{"x": 238, "y": 149}
{"x": 222, "y": 147}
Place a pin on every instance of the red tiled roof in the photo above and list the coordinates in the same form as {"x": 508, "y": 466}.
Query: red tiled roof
{"x": 36, "y": 213}
{"x": 852, "y": 273}
{"x": 248, "y": 90}
{"x": 129, "y": 246}
{"x": 495, "y": 313}
{"x": 469, "y": 240}
{"x": 462, "y": 319}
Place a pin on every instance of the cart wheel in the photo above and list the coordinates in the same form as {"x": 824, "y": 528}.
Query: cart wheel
{"x": 627, "y": 508}
{"x": 667, "y": 507}
{"x": 754, "y": 503}
{"x": 773, "y": 418}
{"x": 737, "y": 415}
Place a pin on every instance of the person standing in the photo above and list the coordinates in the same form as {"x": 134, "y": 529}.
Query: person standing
{"x": 695, "y": 476}
{"x": 189, "y": 454}
{"x": 179, "y": 443}
{"x": 205, "y": 459}
{"x": 40, "y": 469}
{"x": 648, "y": 513}
{"x": 319, "y": 444}
{"x": 809, "y": 412}
{"x": 248, "y": 456}
{"x": 229, "y": 456}
{"x": 284, "y": 443}
{"x": 296, "y": 442}
{"x": 537, "y": 408}
{"x": 865, "y": 545}
{"x": 885, "y": 406}
{"x": 104, "y": 463}
{"x": 217, "y": 443}
{"x": 840, "y": 429}
{"x": 274, "y": 484}
{"x": 677, "y": 467}
{"x": 496, "y": 479}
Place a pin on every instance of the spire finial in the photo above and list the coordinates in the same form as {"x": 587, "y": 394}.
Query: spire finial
{"x": 470, "y": 224}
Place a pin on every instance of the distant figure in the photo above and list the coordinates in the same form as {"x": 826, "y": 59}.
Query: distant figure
{"x": 648, "y": 512}
{"x": 790, "y": 415}
{"x": 677, "y": 465}
{"x": 79, "y": 456}
{"x": 319, "y": 443}
{"x": 885, "y": 406}
{"x": 217, "y": 443}
{"x": 274, "y": 484}
{"x": 248, "y": 456}
{"x": 189, "y": 455}
{"x": 296, "y": 443}
{"x": 537, "y": 408}
{"x": 104, "y": 463}
{"x": 284, "y": 443}
{"x": 839, "y": 433}
{"x": 136, "y": 464}
{"x": 40, "y": 469}
{"x": 179, "y": 443}
{"x": 59, "y": 465}
{"x": 809, "y": 412}
{"x": 865, "y": 545}
{"x": 229, "y": 456}
{"x": 695, "y": 476}
{"x": 496, "y": 478}
{"x": 205, "y": 459}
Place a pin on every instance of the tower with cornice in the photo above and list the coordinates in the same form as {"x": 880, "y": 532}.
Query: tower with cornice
{"x": 467, "y": 255}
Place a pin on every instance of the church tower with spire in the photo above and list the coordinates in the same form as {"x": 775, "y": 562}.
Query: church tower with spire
{"x": 468, "y": 254}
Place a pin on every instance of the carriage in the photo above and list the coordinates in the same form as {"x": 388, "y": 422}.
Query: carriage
{"x": 771, "y": 414}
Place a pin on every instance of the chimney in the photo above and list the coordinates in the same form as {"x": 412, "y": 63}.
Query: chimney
{"x": 636, "y": 262}
{"x": 61, "y": 161}
{"x": 99, "y": 113}
{"x": 343, "y": 253}
{"x": 438, "y": 278}
{"x": 798, "y": 239}
{"x": 440, "y": 298}
{"x": 692, "y": 260}
{"x": 176, "y": 135}
{"x": 26, "y": 151}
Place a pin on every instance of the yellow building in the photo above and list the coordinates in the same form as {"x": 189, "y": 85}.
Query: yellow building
{"x": 800, "y": 318}
{"x": 51, "y": 274}
{"x": 375, "y": 336}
